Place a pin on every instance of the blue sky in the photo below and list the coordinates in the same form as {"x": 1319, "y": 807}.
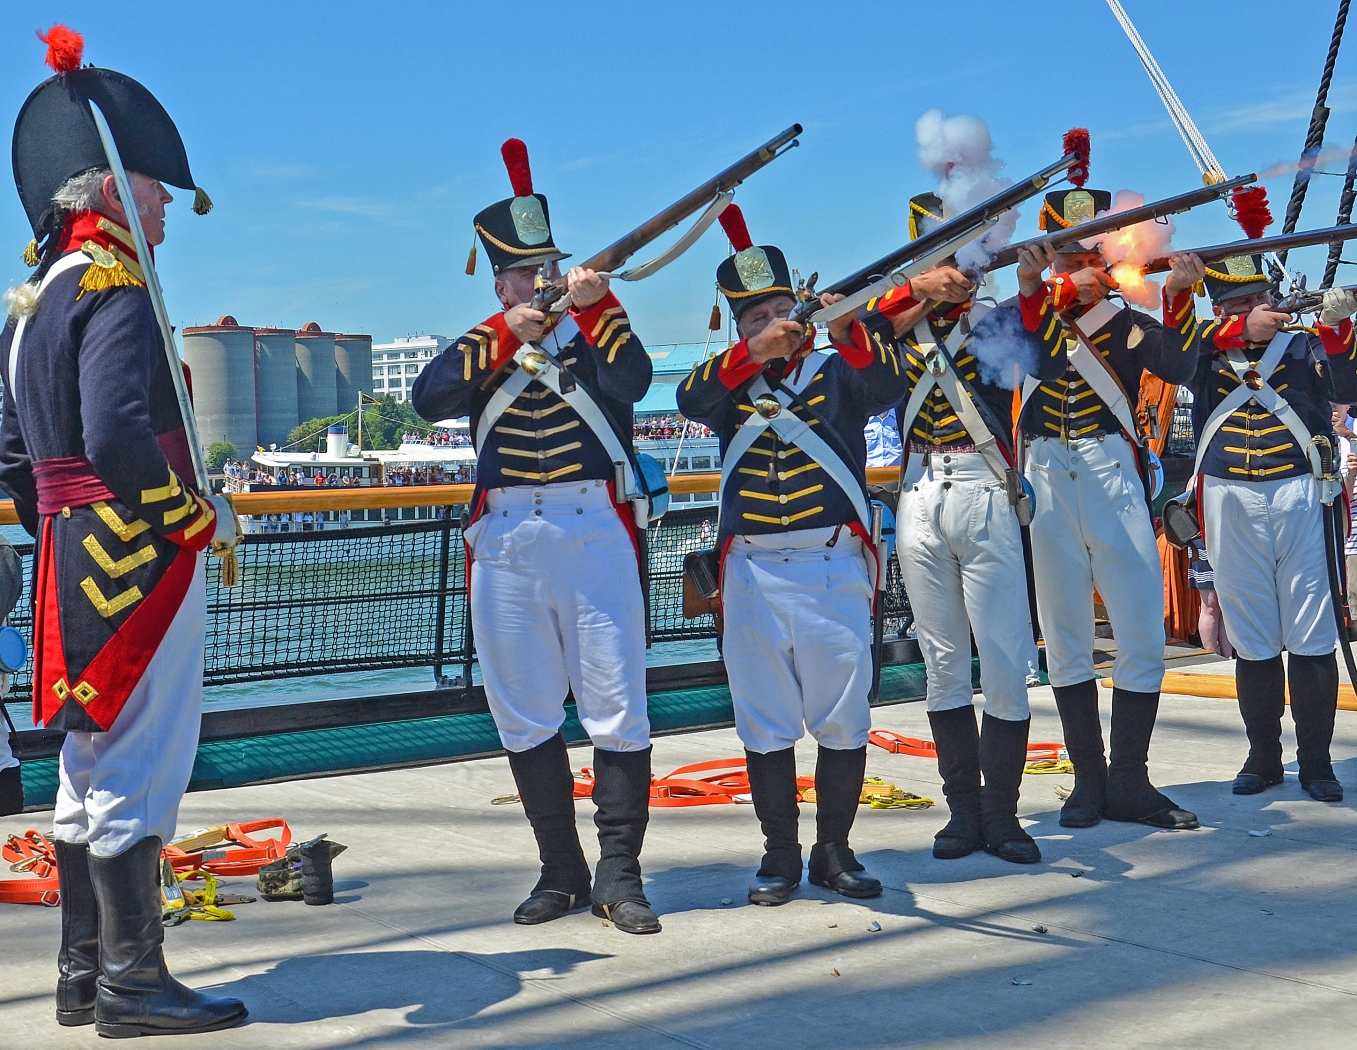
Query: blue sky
{"x": 348, "y": 145}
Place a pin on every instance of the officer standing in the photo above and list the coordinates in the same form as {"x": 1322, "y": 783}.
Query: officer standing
{"x": 552, "y": 550}
{"x": 799, "y": 568}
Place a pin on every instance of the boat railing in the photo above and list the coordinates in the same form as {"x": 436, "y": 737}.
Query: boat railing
{"x": 390, "y": 594}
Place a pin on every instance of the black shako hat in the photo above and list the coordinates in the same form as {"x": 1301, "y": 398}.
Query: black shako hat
{"x": 755, "y": 272}
{"x": 516, "y": 232}
{"x": 1242, "y": 275}
{"x": 55, "y": 138}
{"x": 926, "y": 214}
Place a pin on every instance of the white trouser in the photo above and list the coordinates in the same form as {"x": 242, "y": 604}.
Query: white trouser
{"x": 798, "y": 641}
{"x": 1266, "y": 540}
{"x": 1092, "y": 529}
{"x": 119, "y": 787}
{"x": 7, "y": 758}
{"x": 556, "y": 606}
{"x": 960, "y": 550}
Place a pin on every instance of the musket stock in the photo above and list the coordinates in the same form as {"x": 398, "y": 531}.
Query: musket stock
{"x": 1108, "y": 222}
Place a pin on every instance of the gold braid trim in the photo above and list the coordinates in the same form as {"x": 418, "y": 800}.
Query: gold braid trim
{"x": 1235, "y": 279}
{"x": 97, "y": 278}
{"x": 541, "y": 249}
{"x": 1047, "y": 212}
{"x": 762, "y": 291}
{"x": 31, "y": 254}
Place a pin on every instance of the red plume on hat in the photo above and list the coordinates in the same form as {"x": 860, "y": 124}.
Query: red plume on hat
{"x": 732, "y": 221}
{"x": 515, "y": 154}
{"x": 65, "y": 48}
{"x": 1251, "y": 210}
{"x": 1076, "y": 141}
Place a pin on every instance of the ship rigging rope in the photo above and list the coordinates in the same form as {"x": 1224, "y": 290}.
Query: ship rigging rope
{"x": 1196, "y": 144}
{"x": 1314, "y": 139}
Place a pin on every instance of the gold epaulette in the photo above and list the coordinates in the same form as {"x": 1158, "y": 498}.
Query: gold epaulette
{"x": 108, "y": 269}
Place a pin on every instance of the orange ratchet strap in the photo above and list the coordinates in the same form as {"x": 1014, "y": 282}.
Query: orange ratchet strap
{"x": 1048, "y": 753}
{"x": 726, "y": 779}
{"x": 33, "y": 854}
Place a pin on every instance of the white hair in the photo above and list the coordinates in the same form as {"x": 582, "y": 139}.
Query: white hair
{"x": 83, "y": 192}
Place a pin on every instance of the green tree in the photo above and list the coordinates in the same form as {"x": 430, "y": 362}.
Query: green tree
{"x": 387, "y": 420}
{"x": 218, "y": 453}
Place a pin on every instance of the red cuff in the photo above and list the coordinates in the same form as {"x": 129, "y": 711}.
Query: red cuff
{"x": 197, "y": 534}
{"x": 1034, "y": 308}
{"x": 1230, "y": 335}
{"x": 896, "y": 301}
{"x": 502, "y": 342}
{"x": 858, "y": 351}
{"x": 1178, "y": 309}
{"x": 736, "y": 368}
{"x": 591, "y": 318}
{"x": 1063, "y": 292}
{"x": 1337, "y": 340}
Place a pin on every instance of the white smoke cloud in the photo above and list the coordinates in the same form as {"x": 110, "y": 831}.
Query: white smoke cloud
{"x": 959, "y": 152}
{"x": 1004, "y": 351}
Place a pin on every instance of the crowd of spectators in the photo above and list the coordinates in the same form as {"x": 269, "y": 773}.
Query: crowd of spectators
{"x": 666, "y": 427}
{"x": 443, "y": 438}
{"x": 465, "y": 474}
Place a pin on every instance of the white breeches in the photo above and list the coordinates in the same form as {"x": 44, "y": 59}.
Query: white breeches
{"x": 117, "y": 788}
{"x": 960, "y": 551}
{"x": 556, "y": 606}
{"x": 7, "y": 758}
{"x": 798, "y": 641}
{"x": 1266, "y": 540}
{"x": 1091, "y": 529}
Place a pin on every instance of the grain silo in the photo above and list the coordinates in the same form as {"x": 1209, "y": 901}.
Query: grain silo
{"x": 353, "y": 369}
{"x": 275, "y": 366}
{"x": 221, "y": 359}
{"x": 316, "y": 374}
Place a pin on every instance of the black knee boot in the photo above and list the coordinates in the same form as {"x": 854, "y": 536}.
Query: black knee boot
{"x": 546, "y": 787}
{"x": 78, "y": 959}
{"x": 958, "y": 743}
{"x": 137, "y": 995}
{"x": 1078, "y": 707}
{"x": 622, "y": 795}
{"x": 838, "y": 790}
{"x": 1003, "y": 757}
{"x": 1261, "y": 687}
{"x": 1314, "y": 699}
{"x": 11, "y": 788}
{"x": 1130, "y": 795}
{"x": 772, "y": 785}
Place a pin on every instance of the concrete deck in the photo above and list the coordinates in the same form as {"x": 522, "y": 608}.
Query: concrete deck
{"x": 1123, "y": 937}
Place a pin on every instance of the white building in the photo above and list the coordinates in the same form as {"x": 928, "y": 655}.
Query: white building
{"x": 396, "y": 365}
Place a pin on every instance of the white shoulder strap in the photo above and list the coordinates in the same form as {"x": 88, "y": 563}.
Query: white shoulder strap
{"x": 1264, "y": 395}
{"x": 1094, "y": 321}
{"x": 66, "y": 262}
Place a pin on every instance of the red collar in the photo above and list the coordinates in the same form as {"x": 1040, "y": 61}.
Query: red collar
{"x": 105, "y": 232}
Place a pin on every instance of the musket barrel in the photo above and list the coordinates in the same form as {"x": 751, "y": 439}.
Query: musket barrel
{"x": 936, "y": 238}
{"x": 1106, "y": 223}
{"x": 617, "y": 253}
{"x": 1283, "y": 242}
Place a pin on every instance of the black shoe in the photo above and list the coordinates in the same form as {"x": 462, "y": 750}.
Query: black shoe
{"x": 1083, "y": 728}
{"x": 545, "y": 905}
{"x": 833, "y": 866}
{"x": 772, "y": 890}
{"x": 960, "y": 838}
{"x": 1253, "y": 783}
{"x": 958, "y": 743}
{"x": 11, "y": 790}
{"x": 1130, "y": 795}
{"x": 137, "y": 995}
{"x": 546, "y": 787}
{"x": 1325, "y": 790}
{"x": 78, "y": 959}
{"x": 1003, "y": 757}
{"x": 630, "y": 916}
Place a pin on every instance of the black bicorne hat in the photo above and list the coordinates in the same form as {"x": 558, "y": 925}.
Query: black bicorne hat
{"x": 55, "y": 138}
{"x": 755, "y": 272}
{"x": 926, "y": 214}
{"x": 517, "y": 232}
